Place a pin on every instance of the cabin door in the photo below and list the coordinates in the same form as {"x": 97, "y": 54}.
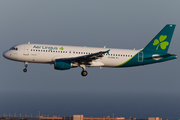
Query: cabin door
{"x": 26, "y": 50}
{"x": 140, "y": 56}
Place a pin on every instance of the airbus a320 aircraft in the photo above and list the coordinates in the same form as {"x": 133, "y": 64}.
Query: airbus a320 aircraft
{"x": 66, "y": 57}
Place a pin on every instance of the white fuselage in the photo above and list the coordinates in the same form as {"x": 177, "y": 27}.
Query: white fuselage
{"x": 41, "y": 53}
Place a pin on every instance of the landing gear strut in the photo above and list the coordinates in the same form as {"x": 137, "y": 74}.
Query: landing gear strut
{"x": 84, "y": 72}
{"x": 26, "y": 65}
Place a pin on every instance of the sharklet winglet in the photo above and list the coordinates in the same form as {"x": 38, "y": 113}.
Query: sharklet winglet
{"x": 107, "y": 51}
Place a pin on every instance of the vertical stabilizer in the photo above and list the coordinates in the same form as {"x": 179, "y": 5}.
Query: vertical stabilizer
{"x": 160, "y": 43}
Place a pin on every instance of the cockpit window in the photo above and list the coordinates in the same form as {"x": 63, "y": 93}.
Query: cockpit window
{"x": 14, "y": 48}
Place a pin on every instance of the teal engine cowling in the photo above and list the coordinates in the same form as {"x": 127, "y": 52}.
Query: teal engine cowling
{"x": 62, "y": 64}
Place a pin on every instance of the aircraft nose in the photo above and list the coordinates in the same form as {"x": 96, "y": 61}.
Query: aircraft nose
{"x": 5, "y": 54}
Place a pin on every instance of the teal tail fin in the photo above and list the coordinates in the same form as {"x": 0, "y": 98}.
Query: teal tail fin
{"x": 160, "y": 43}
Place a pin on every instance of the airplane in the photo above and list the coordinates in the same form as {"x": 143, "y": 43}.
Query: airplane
{"x": 66, "y": 57}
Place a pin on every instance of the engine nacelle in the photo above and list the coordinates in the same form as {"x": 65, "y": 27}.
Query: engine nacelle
{"x": 62, "y": 64}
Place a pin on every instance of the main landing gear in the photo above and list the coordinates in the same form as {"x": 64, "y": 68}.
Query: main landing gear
{"x": 26, "y": 65}
{"x": 84, "y": 72}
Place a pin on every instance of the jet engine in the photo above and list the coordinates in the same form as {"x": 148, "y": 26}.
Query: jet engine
{"x": 62, "y": 64}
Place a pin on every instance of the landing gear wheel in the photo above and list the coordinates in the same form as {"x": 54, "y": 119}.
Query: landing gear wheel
{"x": 84, "y": 73}
{"x": 25, "y": 70}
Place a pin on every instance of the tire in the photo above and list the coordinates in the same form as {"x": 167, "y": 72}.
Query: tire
{"x": 25, "y": 70}
{"x": 84, "y": 73}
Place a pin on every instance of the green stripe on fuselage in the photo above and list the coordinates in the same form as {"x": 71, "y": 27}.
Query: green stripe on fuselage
{"x": 122, "y": 65}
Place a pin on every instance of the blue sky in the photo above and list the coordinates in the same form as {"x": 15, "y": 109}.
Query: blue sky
{"x": 116, "y": 24}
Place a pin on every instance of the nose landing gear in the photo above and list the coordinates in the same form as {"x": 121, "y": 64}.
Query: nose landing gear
{"x": 26, "y": 65}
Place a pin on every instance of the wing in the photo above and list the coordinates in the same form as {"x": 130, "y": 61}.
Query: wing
{"x": 86, "y": 59}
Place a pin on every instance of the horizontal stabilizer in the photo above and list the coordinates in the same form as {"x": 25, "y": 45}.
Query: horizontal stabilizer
{"x": 160, "y": 56}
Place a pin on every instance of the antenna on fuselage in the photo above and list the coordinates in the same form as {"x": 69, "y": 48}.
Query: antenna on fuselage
{"x": 29, "y": 42}
{"x": 104, "y": 46}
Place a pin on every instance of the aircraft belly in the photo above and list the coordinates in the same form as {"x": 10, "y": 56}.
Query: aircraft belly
{"x": 96, "y": 64}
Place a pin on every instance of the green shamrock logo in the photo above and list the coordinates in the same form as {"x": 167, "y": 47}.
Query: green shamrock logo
{"x": 61, "y": 48}
{"x": 163, "y": 44}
